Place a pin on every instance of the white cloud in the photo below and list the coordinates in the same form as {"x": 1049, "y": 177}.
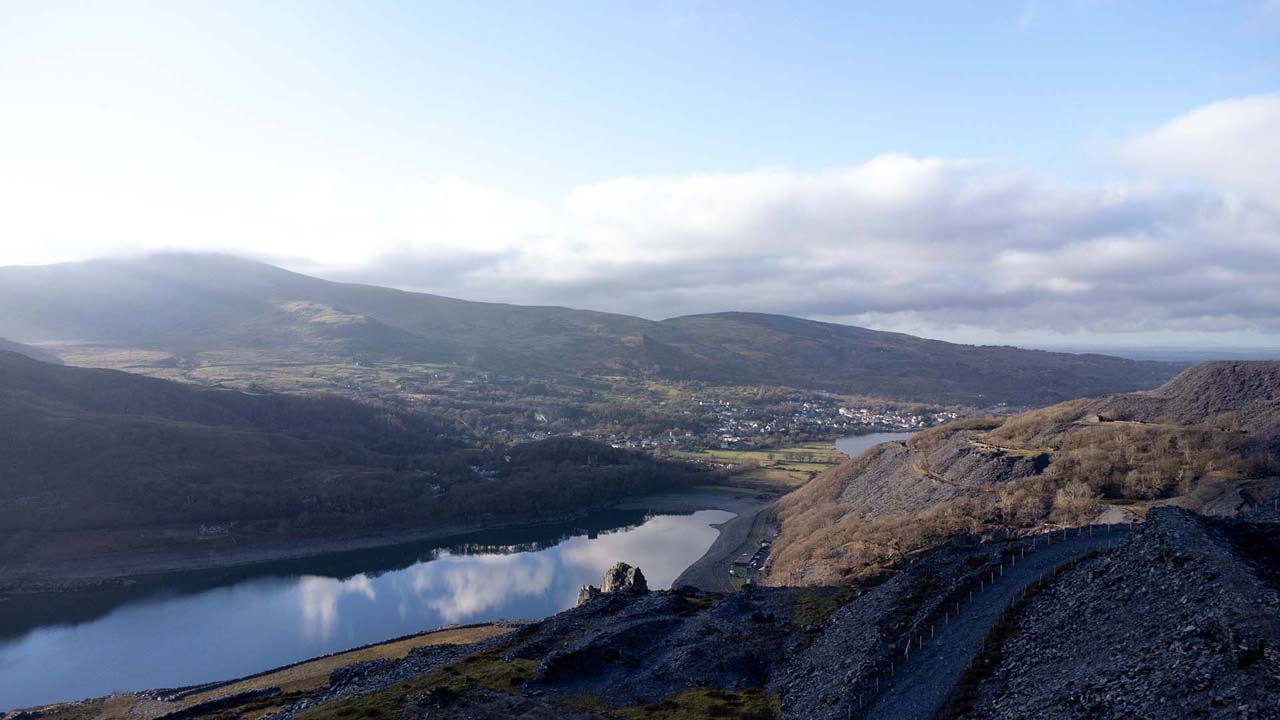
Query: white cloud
{"x": 1191, "y": 243}
{"x": 1231, "y": 146}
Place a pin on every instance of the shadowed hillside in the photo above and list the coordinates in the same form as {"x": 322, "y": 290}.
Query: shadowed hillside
{"x": 1206, "y": 440}
{"x": 103, "y": 461}
{"x": 190, "y": 305}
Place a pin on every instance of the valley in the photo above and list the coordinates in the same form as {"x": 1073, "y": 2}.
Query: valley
{"x": 343, "y": 464}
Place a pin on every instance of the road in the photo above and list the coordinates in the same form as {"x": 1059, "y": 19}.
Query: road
{"x": 927, "y": 676}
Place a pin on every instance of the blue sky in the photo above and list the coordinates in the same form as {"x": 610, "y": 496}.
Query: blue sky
{"x": 615, "y": 155}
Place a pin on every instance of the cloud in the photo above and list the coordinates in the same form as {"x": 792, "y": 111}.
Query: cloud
{"x": 933, "y": 241}
{"x": 1188, "y": 241}
{"x": 1232, "y": 146}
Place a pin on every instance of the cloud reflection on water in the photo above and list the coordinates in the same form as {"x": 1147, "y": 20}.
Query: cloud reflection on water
{"x": 461, "y": 588}
{"x": 319, "y": 597}
{"x": 271, "y": 619}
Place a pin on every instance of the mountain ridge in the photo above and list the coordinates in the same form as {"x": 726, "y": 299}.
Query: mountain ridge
{"x": 193, "y": 304}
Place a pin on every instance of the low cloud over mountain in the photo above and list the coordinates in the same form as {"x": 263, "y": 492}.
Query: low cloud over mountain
{"x": 1186, "y": 242}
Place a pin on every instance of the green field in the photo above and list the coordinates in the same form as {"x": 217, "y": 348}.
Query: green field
{"x": 789, "y": 467}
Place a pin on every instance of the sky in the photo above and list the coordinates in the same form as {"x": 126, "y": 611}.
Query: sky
{"x": 1080, "y": 172}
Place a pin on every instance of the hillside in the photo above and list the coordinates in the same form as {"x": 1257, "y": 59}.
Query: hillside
{"x": 1180, "y": 622}
{"x": 190, "y": 308}
{"x": 1205, "y": 440}
{"x": 31, "y": 352}
{"x": 98, "y": 461}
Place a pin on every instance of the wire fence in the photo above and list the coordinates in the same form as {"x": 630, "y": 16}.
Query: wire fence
{"x": 925, "y": 630}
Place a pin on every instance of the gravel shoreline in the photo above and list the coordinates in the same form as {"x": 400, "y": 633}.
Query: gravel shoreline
{"x": 752, "y": 512}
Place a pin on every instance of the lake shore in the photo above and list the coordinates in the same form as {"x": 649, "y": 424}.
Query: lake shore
{"x": 25, "y": 572}
{"x": 751, "y": 515}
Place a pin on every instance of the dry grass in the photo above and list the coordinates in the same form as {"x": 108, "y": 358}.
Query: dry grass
{"x": 1083, "y": 464}
{"x": 315, "y": 674}
{"x": 303, "y": 677}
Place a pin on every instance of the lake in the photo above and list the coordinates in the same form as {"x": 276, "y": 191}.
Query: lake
{"x": 855, "y": 444}
{"x": 199, "y": 627}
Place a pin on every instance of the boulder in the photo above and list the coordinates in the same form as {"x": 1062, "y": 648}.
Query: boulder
{"x": 619, "y": 578}
{"x": 622, "y": 577}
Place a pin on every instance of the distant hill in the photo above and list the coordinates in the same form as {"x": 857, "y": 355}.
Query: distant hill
{"x": 98, "y": 460}
{"x": 31, "y": 352}
{"x": 1208, "y": 440}
{"x": 192, "y": 304}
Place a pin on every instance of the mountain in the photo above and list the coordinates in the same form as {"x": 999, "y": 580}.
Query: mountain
{"x": 1209, "y": 440}
{"x": 31, "y": 352}
{"x": 99, "y": 461}
{"x": 196, "y": 305}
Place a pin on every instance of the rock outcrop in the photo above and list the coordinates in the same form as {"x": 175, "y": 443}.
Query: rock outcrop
{"x": 619, "y": 578}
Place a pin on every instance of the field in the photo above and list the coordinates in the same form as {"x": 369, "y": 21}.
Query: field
{"x": 788, "y": 467}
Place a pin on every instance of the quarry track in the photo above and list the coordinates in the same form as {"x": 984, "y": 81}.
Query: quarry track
{"x": 924, "y": 678}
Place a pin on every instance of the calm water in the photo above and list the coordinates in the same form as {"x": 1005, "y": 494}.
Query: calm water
{"x": 855, "y": 444}
{"x": 193, "y": 628}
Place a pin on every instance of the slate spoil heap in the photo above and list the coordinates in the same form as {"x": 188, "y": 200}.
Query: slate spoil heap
{"x": 1182, "y": 621}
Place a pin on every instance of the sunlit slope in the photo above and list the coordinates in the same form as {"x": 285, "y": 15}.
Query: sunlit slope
{"x": 1208, "y": 440}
